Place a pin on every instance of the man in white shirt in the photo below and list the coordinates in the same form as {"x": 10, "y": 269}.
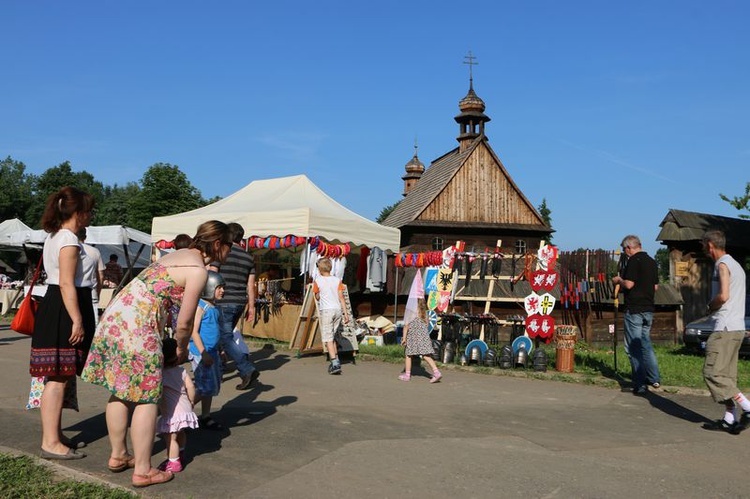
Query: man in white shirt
{"x": 93, "y": 270}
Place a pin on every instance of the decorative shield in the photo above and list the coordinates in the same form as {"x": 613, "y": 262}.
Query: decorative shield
{"x": 533, "y": 325}
{"x": 547, "y": 327}
{"x": 433, "y": 299}
{"x": 430, "y": 280}
{"x": 445, "y": 280}
{"x": 432, "y": 320}
{"x": 546, "y": 304}
{"x": 532, "y": 303}
{"x": 445, "y": 299}
{"x": 547, "y": 257}
{"x": 538, "y": 277}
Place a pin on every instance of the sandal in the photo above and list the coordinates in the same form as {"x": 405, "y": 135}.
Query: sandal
{"x": 153, "y": 477}
{"x": 119, "y": 464}
{"x": 209, "y": 423}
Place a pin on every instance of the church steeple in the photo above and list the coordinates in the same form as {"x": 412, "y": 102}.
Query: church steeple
{"x": 472, "y": 118}
{"x": 414, "y": 170}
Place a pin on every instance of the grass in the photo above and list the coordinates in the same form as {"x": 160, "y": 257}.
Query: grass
{"x": 24, "y": 477}
{"x": 678, "y": 367}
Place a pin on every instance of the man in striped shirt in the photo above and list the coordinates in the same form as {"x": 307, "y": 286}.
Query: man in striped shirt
{"x": 238, "y": 272}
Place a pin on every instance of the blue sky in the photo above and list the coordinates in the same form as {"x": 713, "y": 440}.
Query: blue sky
{"x": 614, "y": 112}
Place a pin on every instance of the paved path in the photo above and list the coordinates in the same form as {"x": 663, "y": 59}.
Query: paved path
{"x": 303, "y": 433}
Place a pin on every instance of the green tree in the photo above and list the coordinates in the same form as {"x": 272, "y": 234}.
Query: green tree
{"x": 740, "y": 202}
{"x": 113, "y": 209}
{"x": 386, "y": 211}
{"x": 545, "y": 212}
{"x": 662, "y": 261}
{"x": 165, "y": 190}
{"x": 52, "y": 181}
{"x": 15, "y": 189}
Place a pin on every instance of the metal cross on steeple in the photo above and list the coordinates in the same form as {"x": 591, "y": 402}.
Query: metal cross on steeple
{"x": 470, "y": 60}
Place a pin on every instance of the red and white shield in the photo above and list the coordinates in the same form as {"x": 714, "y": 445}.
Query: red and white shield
{"x": 533, "y": 325}
{"x": 547, "y": 257}
{"x": 543, "y": 280}
{"x": 532, "y": 303}
{"x": 547, "y": 326}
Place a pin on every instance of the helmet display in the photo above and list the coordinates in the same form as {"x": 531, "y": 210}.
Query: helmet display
{"x": 490, "y": 357}
{"x": 505, "y": 361}
{"x": 449, "y": 353}
{"x": 214, "y": 281}
{"x": 540, "y": 360}
{"x": 463, "y": 360}
{"x": 475, "y": 354}
{"x": 436, "y": 346}
{"x": 522, "y": 357}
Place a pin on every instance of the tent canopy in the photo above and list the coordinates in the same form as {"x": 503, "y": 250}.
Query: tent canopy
{"x": 114, "y": 237}
{"x": 11, "y": 226}
{"x": 279, "y": 207}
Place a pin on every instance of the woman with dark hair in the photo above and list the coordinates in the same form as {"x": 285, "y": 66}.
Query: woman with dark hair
{"x": 65, "y": 319}
{"x": 182, "y": 241}
{"x": 126, "y": 353}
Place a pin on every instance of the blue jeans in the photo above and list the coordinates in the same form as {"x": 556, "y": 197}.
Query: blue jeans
{"x": 230, "y": 314}
{"x": 639, "y": 349}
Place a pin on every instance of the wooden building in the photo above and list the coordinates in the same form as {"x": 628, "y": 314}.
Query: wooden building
{"x": 690, "y": 269}
{"x": 466, "y": 194}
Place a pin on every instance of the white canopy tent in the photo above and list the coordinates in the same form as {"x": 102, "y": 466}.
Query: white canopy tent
{"x": 9, "y": 227}
{"x": 279, "y": 207}
{"x": 132, "y": 246}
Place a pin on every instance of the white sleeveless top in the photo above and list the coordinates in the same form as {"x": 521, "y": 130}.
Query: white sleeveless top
{"x": 731, "y": 315}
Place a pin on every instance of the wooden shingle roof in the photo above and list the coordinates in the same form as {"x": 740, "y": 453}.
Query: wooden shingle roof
{"x": 433, "y": 180}
{"x": 681, "y": 225}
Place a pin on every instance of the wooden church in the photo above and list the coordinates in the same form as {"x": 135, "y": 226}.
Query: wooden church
{"x": 466, "y": 194}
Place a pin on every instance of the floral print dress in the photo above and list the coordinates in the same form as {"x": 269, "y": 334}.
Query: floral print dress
{"x": 126, "y": 356}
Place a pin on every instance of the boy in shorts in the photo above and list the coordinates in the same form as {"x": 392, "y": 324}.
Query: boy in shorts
{"x": 329, "y": 292}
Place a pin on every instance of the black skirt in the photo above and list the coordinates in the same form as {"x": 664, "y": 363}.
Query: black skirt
{"x": 51, "y": 351}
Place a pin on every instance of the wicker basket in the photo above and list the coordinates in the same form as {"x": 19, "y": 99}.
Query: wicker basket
{"x": 565, "y": 338}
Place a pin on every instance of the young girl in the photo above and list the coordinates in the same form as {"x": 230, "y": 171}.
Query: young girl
{"x": 204, "y": 350}
{"x": 417, "y": 342}
{"x": 176, "y": 407}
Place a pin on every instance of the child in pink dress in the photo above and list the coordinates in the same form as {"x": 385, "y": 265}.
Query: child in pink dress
{"x": 175, "y": 407}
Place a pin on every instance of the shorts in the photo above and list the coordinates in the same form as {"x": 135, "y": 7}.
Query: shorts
{"x": 330, "y": 321}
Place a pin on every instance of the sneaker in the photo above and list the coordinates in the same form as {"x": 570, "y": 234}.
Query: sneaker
{"x": 171, "y": 466}
{"x": 404, "y": 377}
{"x": 742, "y": 424}
{"x": 334, "y": 369}
{"x": 436, "y": 377}
{"x": 248, "y": 380}
{"x": 641, "y": 390}
{"x": 656, "y": 385}
{"x": 719, "y": 425}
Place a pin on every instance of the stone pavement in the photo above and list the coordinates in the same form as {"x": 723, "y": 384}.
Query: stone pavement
{"x": 303, "y": 433}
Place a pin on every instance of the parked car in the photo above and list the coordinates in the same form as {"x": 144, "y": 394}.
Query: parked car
{"x": 697, "y": 332}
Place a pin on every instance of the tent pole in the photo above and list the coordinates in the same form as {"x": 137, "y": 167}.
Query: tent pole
{"x": 395, "y": 296}
{"x": 307, "y": 263}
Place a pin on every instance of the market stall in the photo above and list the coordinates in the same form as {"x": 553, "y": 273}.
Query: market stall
{"x": 283, "y": 217}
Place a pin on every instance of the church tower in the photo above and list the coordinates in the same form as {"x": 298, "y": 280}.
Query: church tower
{"x": 472, "y": 118}
{"x": 414, "y": 170}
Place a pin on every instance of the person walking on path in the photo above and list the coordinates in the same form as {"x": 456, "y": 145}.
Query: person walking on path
{"x": 727, "y": 311}
{"x": 204, "y": 350}
{"x": 176, "y": 408}
{"x": 639, "y": 282}
{"x": 65, "y": 318}
{"x": 417, "y": 341}
{"x": 238, "y": 272}
{"x": 126, "y": 356}
{"x": 329, "y": 292}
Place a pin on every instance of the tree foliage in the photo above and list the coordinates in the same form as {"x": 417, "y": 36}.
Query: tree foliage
{"x": 386, "y": 211}
{"x": 662, "y": 262}
{"x": 740, "y": 202}
{"x": 15, "y": 189}
{"x": 165, "y": 190}
{"x": 546, "y": 213}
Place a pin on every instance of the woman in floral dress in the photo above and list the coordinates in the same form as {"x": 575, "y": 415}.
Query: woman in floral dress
{"x": 126, "y": 353}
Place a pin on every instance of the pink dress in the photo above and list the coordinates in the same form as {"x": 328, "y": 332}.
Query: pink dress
{"x": 176, "y": 411}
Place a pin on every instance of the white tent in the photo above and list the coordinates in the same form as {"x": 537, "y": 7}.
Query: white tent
{"x": 125, "y": 242}
{"x": 279, "y": 207}
{"x": 11, "y": 226}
